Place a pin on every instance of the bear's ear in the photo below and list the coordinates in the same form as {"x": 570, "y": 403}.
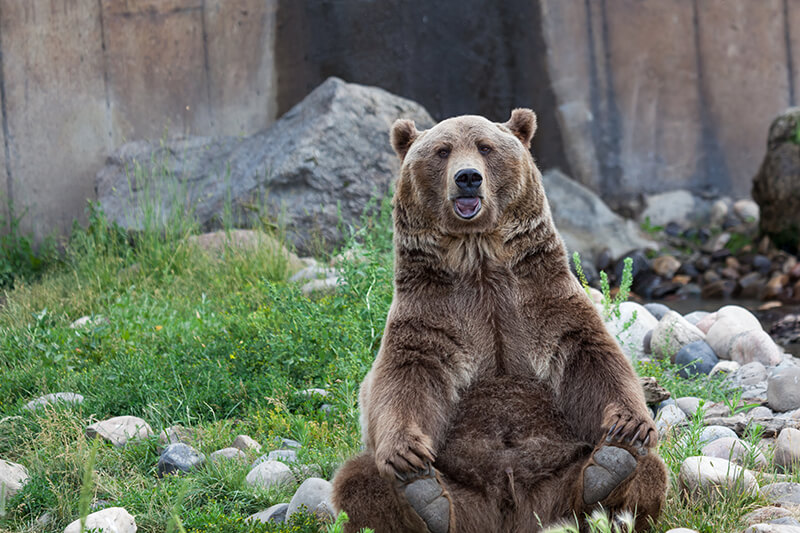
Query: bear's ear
{"x": 522, "y": 124}
{"x": 403, "y": 134}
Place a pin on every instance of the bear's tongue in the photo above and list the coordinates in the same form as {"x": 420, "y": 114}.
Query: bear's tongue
{"x": 468, "y": 207}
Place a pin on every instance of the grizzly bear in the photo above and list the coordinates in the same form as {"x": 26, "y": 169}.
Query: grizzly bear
{"x": 497, "y": 401}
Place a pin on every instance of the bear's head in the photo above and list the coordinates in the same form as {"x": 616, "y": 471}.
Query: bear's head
{"x": 466, "y": 175}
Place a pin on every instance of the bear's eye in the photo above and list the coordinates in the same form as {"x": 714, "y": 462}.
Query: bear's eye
{"x": 485, "y": 149}
{"x": 444, "y": 152}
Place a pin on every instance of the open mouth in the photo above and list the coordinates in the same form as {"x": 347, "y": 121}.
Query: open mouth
{"x": 467, "y": 207}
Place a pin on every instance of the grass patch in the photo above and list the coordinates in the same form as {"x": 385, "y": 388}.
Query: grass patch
{"x": 223, "y": 345}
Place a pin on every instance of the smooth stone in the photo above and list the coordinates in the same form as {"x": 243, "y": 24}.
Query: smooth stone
{"x": 695, "y": 317}
{"x": 669, "y": 417}
{"x": 312, "y": 272}
{"x": 715, "y": 409}
{"x": 782, "y": 493}
{"x": 751, "y": 374}
{"x": 657, "y": 310}
{"x": 228, "y": 454}
{"x": 772, "y": 528}
{"x": 289, "y": 443}
{"x": 761, "y": 411}
{"x": 174, "y": 435}
{"x": 783, "y": 390}
{"x": 671, "y": 334}
{"x": 119, "y": 430}
{"x": 734, "y": 450}
{"x": 109, "y": 520}
{"x": 682, "y": 530}
{"x": 765, "y": 514}
{"x": 90, "y": 321}
{"x": 54, "y": 399}
{"x": 179, "y": 457}
{"x": 707, "y": 475}
{"x": 314, "y": 392}
{"x": 311, "y": 493}
{"x": 269, "y": 474}
{"x": 246, "y": 443}
{"x": 688, "y": 404}
{"x": 755, "y": 345}
{"x": 275, "y": 514}
{"x": 705, "y": 323}
{"x": 711, "y": 434}
{"x": 724, "y": 367}
{"x": 13, "y": 477}
{"x": 731, "y": 321}
{"x": 695, "y": 358}
{"x": 746, "y": 210}
{"x": 646, "y": 342}
{"x": 631, "y": 340}
{"x": 787, "y": 448}
{"x": 319, "y": 287}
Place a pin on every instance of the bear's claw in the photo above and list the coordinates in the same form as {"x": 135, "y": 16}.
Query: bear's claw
{"x": 611, "y": 466}
{"x": 428, "y": 499}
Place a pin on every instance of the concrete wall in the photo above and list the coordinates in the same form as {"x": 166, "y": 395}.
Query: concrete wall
{"x": 80, "y": 77}
{"x": 633, "y": 95}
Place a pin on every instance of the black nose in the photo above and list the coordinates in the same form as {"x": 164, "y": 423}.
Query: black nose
{"x": 468, "y": 180}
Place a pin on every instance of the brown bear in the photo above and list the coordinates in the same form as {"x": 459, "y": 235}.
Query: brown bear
{"x": 498, "y": 401}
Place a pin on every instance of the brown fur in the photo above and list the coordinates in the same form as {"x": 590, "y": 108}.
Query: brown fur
{"x": 494, "y": 365}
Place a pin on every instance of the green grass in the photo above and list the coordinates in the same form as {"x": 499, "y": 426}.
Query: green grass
{"x": 221, "y": 345}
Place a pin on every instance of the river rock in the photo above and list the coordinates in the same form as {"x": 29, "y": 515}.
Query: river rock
{"x": 682, "y": 530}
{"x": 734, "y": 450}
{"x": 782, "y": 493}
{"x": 657, "y": 310}
{"x": 772, "y": 528}
{"x": 724, "y": 367}
{"x": 665, "y": 266}
{"x": 765, "y": 514}
{"x": 246, "y": 443}
{"x": 776, "y": 186}
{"x": 750, "y": 374}
{"x": 688, "y": 404}
{"x": 709, "y": 475}
{"x": 695, "y": 358}
{"x": 671, "y": 334}
{"x": 274, "y": 514}
{"x": 13, "y": 477}
{"x": 631, "y": 339}
{"x": 316, "y": 168}
{"x": 320, "y": 287}
{"x": 787, "y": 448}
{"x": 696, "y": 316}
{"x": 228, "y": 454}
{"x": 269, "y": 474}
{"x": 711, "y": 434}
{"x": 179, "y": 457}
{"x": 705, "y": 323}
{"x": 315, "y": 495}
{"x": 731, "y": 320}
{"x": 119, "y": 430}
{"x": 755, "y": 345}
{"x": 668, "y": 417}
{"x": 108, "y": 520}
{"x": 175, "y": 434}
{"x": 783, "y": 390}
{"x": 65, "y": 398}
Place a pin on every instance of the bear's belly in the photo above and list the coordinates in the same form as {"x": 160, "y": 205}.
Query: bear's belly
{"x": 508, "y": 429}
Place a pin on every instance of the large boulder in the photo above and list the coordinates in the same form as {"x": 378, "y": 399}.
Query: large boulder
{"x": 776, "y": 186}
{"x": 318, "y": 166}
{"x": 586, "y": 223}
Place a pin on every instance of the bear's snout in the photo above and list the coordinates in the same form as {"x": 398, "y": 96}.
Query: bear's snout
{"x": 469, "y": 181}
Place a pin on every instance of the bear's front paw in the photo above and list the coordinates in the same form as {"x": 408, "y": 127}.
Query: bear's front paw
{"x": 405, "y": 455}
{"x": 630, "y": 428}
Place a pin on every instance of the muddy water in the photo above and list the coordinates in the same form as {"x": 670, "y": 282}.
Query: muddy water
{"x": 767, "y": 318}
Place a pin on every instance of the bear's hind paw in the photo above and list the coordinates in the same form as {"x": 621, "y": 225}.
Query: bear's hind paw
{"x": 427, "y": 497}
{"x": 610, "y": 466}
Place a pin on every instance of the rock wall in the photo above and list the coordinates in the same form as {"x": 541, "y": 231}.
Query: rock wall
{"x": 633, "y": 95}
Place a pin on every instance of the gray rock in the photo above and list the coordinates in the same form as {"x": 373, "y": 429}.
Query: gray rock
{"x": 669, "y": 417}
{"x": 287, "y": 456}
{"x": 312, "y": 493}
{"x": 64, "y": 398}
{"x": 772, "y": 528}
{"x": 724, "y": 367}
{"x": 783, "y": 390}
{"x": 13, "y": 477}
{"x": 695, "y": 317}
{"x": 586, "y": 223}
{"x": 730, "y": 321}
{"x": 178, "y": 458}
{"x": 750, "y": 374}
{"x": 761, "y": 411}
{"x": 269, "y": 474}
{"x": 275, "y": 514}
{"x": 319, "y": 287}
{"x": 746, "y": 210}
{"x": 710, "y": 434}
{"x": 120, "y": 429}
{"x": 711, "y": 476}
{"x": 314, "y": 272}
{"x": 246, "y": 443}
{"x": 671, "y": 334}
{"x": 228, "y": 454}
{"x": 317, "y": 167}
{"x": 631, "y": 338}
{"x": 174, "y": 434}
{"x": 787, "y": 448}
{"x": 89, "y": 321}
{"x": 688, "y": 404}
{"x": 786, "y": 521}
{"x": 766, "y": 514}
{"x": 736, "y": 451}
{"x": 755, "y": 345}
{"x": 657, "y": 310}
{"x": 109, "y": 520}
{"x": 289, "y": 443}
{"x": 682, "y": 530}
{"x": 314, "y": 392}
{"x": 783, "y": 493}
{"x": 679, "y": 206}
{"x": 695, "y": 358}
